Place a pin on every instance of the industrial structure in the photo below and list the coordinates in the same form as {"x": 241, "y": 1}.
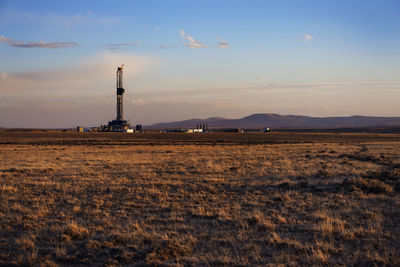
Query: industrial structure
{"x": 122, "y": 125}
{"x": 119, "y": 124}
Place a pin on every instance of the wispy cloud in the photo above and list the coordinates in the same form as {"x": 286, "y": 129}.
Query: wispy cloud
{"x": 157, "y": 28}
{"x": 122, "y": 45}
{"x": 163, "y": 46}
{"x": 306, "y": 38}
{"x": 85, "y": 73}
{"x": 4, "y": 76}
{"x": 222, "y": 44}
{"x": 262, "y": 78}
{"x": 70, "y": 20}
{"x": 40, "y": 44}
{"x": 192, "y": 43}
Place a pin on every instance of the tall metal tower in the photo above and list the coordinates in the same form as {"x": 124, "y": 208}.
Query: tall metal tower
{"x": 120, "y": 93}
{"x": 119, "y": 124}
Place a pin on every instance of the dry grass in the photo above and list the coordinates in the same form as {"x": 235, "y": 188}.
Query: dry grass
{"x": 290, "y": 204}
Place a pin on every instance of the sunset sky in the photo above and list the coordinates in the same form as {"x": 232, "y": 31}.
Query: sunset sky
{"x": 196, "y": 59}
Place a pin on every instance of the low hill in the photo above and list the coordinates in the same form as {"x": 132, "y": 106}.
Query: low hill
{"x": 283, "y": 121}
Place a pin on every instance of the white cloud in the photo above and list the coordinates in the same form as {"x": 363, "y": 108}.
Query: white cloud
{"x": 40, "y": 44}
{"x": 90, "y": 12}
{"x": 157, "y": 28}
{"x": 306, "y": 38}
{"x": 222, "y": 44}
{"x": 192, "y": 43}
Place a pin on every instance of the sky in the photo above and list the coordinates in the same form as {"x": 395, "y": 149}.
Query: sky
{"x": 196, "y": 59}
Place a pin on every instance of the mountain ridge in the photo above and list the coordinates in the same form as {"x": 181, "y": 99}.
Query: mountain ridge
{"x": 274, "y": 120}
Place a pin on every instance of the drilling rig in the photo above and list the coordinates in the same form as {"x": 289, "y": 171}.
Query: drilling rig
{"x": 119, "y": 124}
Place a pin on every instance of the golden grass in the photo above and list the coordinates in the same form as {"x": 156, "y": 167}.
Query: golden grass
{"x": 280, "y": 204}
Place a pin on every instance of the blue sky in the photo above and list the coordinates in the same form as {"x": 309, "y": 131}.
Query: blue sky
{"x": 186, "y": 59}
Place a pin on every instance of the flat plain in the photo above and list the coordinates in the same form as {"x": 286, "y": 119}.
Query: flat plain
{"x": 199, "y": 199}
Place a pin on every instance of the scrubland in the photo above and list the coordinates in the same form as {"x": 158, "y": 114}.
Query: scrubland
{"x": 322, "y": 203}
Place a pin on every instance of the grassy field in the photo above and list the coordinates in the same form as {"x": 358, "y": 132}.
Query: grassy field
{"x": 199, "y": 199}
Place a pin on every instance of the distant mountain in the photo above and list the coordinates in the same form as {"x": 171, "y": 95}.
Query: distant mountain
{"x": 283, "y": 121}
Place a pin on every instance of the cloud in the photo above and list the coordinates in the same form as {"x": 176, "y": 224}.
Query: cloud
{"x": 94, "y": 103}
{"x": 262, "y": 78}
{"x": 306, "y": 38}
{"x": 192, "y": 43}
{"x": 40, "y": 44}
{"x": 157, "y": 28}
{"x": 139, "y": 101}
{"x": 121, "y": 45}
{"x": 3, "y": 76}
{"x": 87, "y": 19}
{"x": 87, "y": 74}
{"x": 222, "y": 44}
{"x": 81, "y": 92}
{"x": 163, "y": 46}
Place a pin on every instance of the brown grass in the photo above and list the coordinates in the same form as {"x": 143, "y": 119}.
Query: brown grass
{"x": 278, "y": 204}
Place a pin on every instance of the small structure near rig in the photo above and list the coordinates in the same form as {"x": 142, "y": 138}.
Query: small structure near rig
{"x": 119, "y": 124}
